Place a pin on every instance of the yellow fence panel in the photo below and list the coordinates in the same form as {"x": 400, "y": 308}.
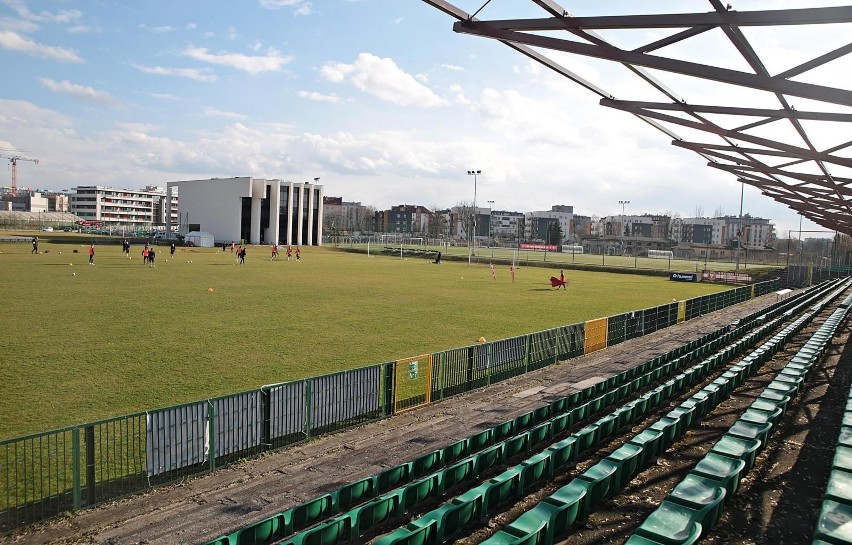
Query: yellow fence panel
{"x": 681, "y": 311}
{"x": 595, "y": 335}
{"x": 412, "y": 386}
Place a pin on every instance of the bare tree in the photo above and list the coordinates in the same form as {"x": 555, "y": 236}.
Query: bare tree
{"x": 699, "y": 211}
{"x": 466, "y": 212}
{"x": 364, "y": 218}
{"x": 719, "y": 213}
{"x": 437, "y": 224}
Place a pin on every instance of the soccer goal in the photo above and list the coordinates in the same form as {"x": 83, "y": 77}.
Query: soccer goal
{"x": 572, "y": 249}
{"x": 660, "y": 254}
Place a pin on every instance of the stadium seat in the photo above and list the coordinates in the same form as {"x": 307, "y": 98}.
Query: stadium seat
{"x": 670, "y": 524}
{"x": 426, "y": 463}
{"x": 371, "y": 514}
{"x": 354, "y": 493}
{"x": 393, "y": 477}
{"x": 839, "y": 487}
{"x": 735, "y": 447}
{"x": 627, "y": 456}
{"x": 834, "y": 523}
{"x": 702, "y": 494}
{"x": 311, "y": 511}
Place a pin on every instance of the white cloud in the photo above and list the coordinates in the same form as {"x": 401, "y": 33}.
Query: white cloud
{"x": 452, "y": 67}
{"x": 17, "y": 25}
{"x": 59, "y": 17}
{"x": 80, "y": 92}
{"x": 278, "y": 4}
{"x": 271, "y": 62}
{"x": 312, "y": 95}
{"x": 304, "y": 9}
{"x": 382, "y": 78}
{"x": 158, "y": 29}
{"x": 204, "y": 75}
{"x": 214, "y": 113}
{"x": 15, "y": 42}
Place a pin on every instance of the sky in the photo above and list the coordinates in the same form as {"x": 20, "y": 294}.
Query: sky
{"x": 380, "y": 99}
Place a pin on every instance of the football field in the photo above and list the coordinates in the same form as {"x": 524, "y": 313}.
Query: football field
{"x": 84, "y": 342}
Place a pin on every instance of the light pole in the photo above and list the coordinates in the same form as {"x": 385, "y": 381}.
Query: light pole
{"x": 472, "y": 241}
{"x": 740, "y": 232}
{"x": 490, "y": 218}
{"x": 622, "y": 203}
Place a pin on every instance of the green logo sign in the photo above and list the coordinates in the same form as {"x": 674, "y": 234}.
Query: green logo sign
{"x": 412, "y": 369}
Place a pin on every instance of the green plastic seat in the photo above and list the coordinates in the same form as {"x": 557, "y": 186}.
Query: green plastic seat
{"x": 601, "y": 478}
{"x": 842, "y": 458}
{"x": 500, "y": 489}
{"x": 650, "y": 441}
{"x": 736, "y": 447}
{"x": 510, "y": 536}
{"x": 726, "y": 470}
{"x": 669, "y": 428}
{"x": 412, "y": 534}
{"x": 627, "y": 456}
{"x": 336, "y": 530}
{"x": 539, "y": 434}
{"x": 534, "y": 470}
{"x": 263, "y": 531}
{"x": 488, "y": 458}
{"x": 671, "y": 524}
{"x": 702, "y": 494}
{"x": 761, "y": 417}
{"x": 311, "y": 511}
{"x": 563, "y": 451}
{"x": 480, "y": 440}
{"x": 393, "y": 477}
{"x": 426, "y": 463}
{"x": 456, "y": 474}
{"x": 451, "y": 517}
{"x": 751, "y": 430}
{"x": 606, "y": 426}
{"x": 561, "y": 512}
{"x": 834, "y": 523}
{"x": 373, "y": 513}
{"x": 586, "y": 437}
{"x": 839, "y": 487}
{"x": 418, "y": 491}
{"x": 354, "y": 493}
{"x": 502, "y": 430}
{"x": 559, "y": 423}
{"x": 456, "y": 451}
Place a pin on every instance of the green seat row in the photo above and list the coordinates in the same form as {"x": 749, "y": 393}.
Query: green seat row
{"x": 695, "y": 504}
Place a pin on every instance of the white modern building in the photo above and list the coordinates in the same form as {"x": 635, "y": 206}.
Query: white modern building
{"x": 254, "y": 210}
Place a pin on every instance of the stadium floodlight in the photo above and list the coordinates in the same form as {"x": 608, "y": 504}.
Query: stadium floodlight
{"x": 471, "y": 241}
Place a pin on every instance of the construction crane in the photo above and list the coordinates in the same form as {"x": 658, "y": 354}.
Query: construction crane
{"x": 14, "y": 156}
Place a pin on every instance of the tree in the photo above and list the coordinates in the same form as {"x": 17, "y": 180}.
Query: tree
{"x": 437, "y": 224}
{"x": 719, "y": 213}
{"x": 364, "y": 218}
{"x": 554, "y": 233}
{"x": 699, "y": 211}
{"x": 466, "y": 218}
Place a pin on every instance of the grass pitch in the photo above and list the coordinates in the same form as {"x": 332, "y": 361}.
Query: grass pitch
{"x": 81, "y": 343}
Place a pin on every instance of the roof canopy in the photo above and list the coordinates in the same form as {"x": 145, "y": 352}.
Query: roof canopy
{"x": 797, "y": 156}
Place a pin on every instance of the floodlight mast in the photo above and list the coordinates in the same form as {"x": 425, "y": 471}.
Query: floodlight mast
{"x": 471, "y": 242}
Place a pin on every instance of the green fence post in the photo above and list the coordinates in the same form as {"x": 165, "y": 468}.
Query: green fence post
{"x": 308, "y": 405}
{"x": 75, "y": 467}
{"x": 211, "y": 435}
{"x": 387, "y": 406}
{"x": 527, "y": 353}
{"x": 90, "y": 464}
{"x": 265, "y": 428}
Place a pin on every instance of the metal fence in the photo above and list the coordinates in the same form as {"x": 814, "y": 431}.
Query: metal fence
{"x": 45, "y": 474}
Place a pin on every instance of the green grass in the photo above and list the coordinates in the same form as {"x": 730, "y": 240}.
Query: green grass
{"x": 118, "y": 337}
